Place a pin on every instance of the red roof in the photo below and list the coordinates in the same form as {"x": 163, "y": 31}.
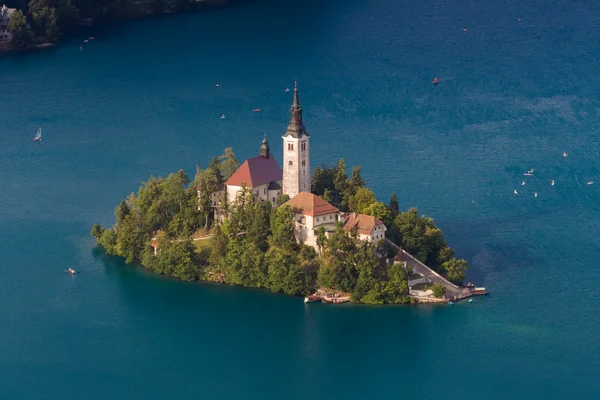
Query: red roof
{"x": 402, "y": 257}
{"x": 255, "y": 172}
{"x": 364, "y": 223}
{"x": 310, "y": 204}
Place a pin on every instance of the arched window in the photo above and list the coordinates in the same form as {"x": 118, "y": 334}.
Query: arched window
{"x": 290, "y": 163}
{"x": 303, "y": 163}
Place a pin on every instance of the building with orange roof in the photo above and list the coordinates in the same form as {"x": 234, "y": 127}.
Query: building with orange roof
{"x": 369, "y": 228}
{"x": 312, "y": 213}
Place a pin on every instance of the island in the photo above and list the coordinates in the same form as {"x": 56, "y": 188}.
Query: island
{"x": 322, "y": 235}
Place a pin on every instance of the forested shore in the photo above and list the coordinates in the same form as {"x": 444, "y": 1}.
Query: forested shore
{"x": 42, "y": 22}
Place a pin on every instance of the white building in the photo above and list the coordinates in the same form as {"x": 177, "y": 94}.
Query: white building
{"x": 296, "y": 152}
{"x": 312, "y": 212}
{"x": 369, "y": 229}
{"x": 5, "y": 13}
{"x": 262, "y": 175}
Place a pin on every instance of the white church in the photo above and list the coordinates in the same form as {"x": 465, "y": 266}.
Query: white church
{"x": 263, "y": 176}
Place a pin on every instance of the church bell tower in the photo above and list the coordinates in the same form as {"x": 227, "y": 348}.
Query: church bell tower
{"x": 296, "y": 152}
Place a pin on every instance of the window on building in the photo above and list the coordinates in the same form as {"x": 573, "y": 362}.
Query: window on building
{"x": 303, "y": 163}
{"x": 265, "y": 191}
{"x": 273, "y": 199}
{"x": 290, "y": 163}
{"x": 317, "y": 219}
{"x": 303, "y": 146}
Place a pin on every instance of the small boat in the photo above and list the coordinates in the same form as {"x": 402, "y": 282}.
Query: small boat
{"x": 38, "y": 135}
{"x": 479, "y": 291}
{"x": 312, "y": 298}
{"x": 85, "y": 41}
{"x": 217, "y": 85}
{"x": 470, "y": 300}
{"x": 523, "y": 183}
{"x": 258, "y": 110}
{"x": 450, "y": 303}
{"x": 528, "y": 174}
{"x": 92, "y": 38}
{"x": 552, "y": 183}
{"x": 287, "y": 89}
{"x": 71, "y": 271}
{"x": 469, "y": 285}
{"x": 80, "y": 48}
{"x": 590, "y": 183}
{"x": 515, "y": 192}
{"x": 436, "y": 81}
{"x": 222, "y": 116}
{"x": 465, "y": 30}
{"x": 535, "y": 194}
{"x": 565, "y": 154}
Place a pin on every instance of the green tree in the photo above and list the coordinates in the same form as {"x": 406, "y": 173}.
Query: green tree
{"x": 215, "y": 167}
{"x": 228, "y": 163}
{"x": 455, "y": 270}
{"x": 97, "y": 231}
{"x": 17, "y": 26}
{"x": 108, "y": 240}
{"x": 338, "y": 262}
{"x": 52, "y": 32}
{"x": 378, "y": 210}
{"x": 121, "y": 212}
{"x": 282, "y": 199}
{"x": 282, "y": 228}
{"x": 361, "y": 200}
{"x": 439, "y": 290}
{"x": 258, "y": 229}
{"x": 67, "y": 15}
{"x": 286, "y": 274}
{"x": 132, "y": 237}
{"x": 219, "y": 243}
{"x": 394, "y": 207}
{"x": 39, "y": 13}
{"x": 206, "y": 182}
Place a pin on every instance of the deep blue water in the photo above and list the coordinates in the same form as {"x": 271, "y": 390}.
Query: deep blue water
{"x": 141, "y": 100}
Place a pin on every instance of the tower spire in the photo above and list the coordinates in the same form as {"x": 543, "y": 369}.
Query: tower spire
{"x": 296, "y": 127}
{"x": 264, "y": 149}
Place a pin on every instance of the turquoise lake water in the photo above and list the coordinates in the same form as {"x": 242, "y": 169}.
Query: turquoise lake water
{"x": 141, "y": 99}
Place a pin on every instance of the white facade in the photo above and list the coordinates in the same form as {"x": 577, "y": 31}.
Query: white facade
{"x": 296, "y": 165}
{"x": 5, "y": 13}
{"x": 307, "y": 227}
{"x": 261, "y": 192}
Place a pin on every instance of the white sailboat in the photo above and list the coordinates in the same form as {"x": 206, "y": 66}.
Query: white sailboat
{"x": 38, "y": 135}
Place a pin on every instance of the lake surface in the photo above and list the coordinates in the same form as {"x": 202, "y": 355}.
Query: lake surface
{"x": 141, "y": 100}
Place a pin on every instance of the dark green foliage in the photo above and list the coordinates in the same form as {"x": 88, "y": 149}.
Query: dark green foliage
{"x": 285, "y": 273}
{"x": 361, "y": 200}
{"x": 281, "y": 199}
{"x": 455, "y": 270}
{"x": 108, "y": 240}
{"x": 228, "y": 163}
{"x": 338, "y": 263}
{"x": 176, "y": 259}
{"x": 439, "y": 290}
{"x": 97, "y": 231}
{"x": 17, "y": 26}
{"x": 219, "y": 244}
{"x": 282, "y": 229}
{"x": 394, "y": 206}
{"x": 334, "y": 186}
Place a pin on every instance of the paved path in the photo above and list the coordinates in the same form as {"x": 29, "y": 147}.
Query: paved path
{"x": 419, "y": 268}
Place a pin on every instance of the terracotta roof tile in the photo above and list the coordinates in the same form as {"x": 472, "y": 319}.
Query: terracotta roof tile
{"x": 255, "y": 172}
{"x": 364, "y": 223}
{"x": 310, "y": 204}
